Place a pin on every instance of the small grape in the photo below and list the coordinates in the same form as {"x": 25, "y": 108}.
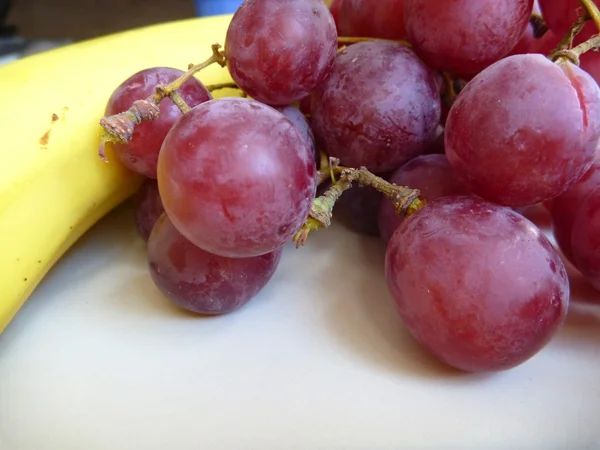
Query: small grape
{"x": 141, "y": 153}
{"x": 432, "y": 175}
{"x": 299, "y": 119}
{"x": 465, "y": 36}
{"x": 278, "y": 51}
{"x": 477, "y": 284}
{"x": 565, "y": 207}
{"x": 585, "y": 238}
{"x": 379, "y": 108}
{"x": 236, "y": 177}
{"x": 202, "y": 282}
{"x": 365, "y": 18}
{"x": 148, "y": 207}
{"x": 524, "y": 130}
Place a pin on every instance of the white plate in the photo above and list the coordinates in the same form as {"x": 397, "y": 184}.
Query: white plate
{"x": 98, "y": 360}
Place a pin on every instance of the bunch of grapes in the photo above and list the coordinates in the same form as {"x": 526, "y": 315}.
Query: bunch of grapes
{"x": 480, "y": 108}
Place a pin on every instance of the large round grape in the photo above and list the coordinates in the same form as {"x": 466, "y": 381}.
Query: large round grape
{"x": 141, "y": 153}
{"x": 585, "y": 238}
{"x": 200, "y": 281}
{"x": 379, "y": 108}
{"x": 524, "y": 130}
{"x": 279, "y": 50}
{"x": 366, "y": 18}
{"x": 565, "y": 207}
{"x": 477, "y": 284}
{"x": 465, "y": 36}
{"x": 236, "y": 177}
{"x": 432, "y": 175}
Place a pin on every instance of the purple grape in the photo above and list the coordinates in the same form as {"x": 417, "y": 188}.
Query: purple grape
{"x": 477, "y": 284}
{"x": 141, "y": 153}
{"x": 299, "y": 119}
{"x": 148, "y": 207}
{"x": 199, "y": 281}
{"x": 278, "y": 51}
{"x": 432, "y": 175}
{"x": 236, "y": 177}
{"x": 585, "y": 238}
{"x": 357, "y": 209}
{"x": 379, "y": 108}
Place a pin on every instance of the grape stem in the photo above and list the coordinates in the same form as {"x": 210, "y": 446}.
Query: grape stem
{"x": 567, "y": 41}
{"x": 119, "y": 127}
{"x": 564, "y": 50}
{"x": 219, "y": 86}
{"x": 406, "y": 201}
{"x": 592, "y": 12}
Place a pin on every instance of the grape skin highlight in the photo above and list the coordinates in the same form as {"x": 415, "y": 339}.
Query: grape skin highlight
{"x": 202, "y": 282}
{"x": 278, "y": 51}
{"x": 379, "y": 108}
{"x": 236, "y": 177}
{"x": 524, "y": 130}
{"x": 477, "y": 284}
{"x": 141, "y": 153}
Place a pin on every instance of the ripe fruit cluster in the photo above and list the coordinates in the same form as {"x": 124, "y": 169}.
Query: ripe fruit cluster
{"x": 452, "y": 98}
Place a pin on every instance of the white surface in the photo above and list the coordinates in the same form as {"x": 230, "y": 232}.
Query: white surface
{"x": 98, "y": 360}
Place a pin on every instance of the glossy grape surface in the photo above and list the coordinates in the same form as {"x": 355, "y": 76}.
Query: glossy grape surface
{"x": 477, "y": 284}
{"x": 148, "y": 207}
{"x": 585, "y": 238}
{"x": 141, "y": 153}
{"x": 465, "y": 36}
{"x": 432, "y": 175}
{"x": 279, "y": 50}
{"x": 236, "y": 177}
{"x": 524, "y": 130}
{"x": 366, "y": 18}
{"x": 200, "y": 281}
{"x": 379, "y": 108}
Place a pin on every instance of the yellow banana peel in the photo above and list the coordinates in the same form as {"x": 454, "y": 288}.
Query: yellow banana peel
{"x": 53, "y": 185}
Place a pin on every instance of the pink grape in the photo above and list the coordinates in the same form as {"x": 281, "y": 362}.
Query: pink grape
{"x": 278, "y": 51}
{"x": 141, "y": 153}
{"x": 199, "y": 281}
{"x": 477, "y": 284}
{"x": 560, "y": 15}
{"x": 565, "y": 207}
{"x": 148, "y": 207}
{"x": 379, "y": 108}
{"x": 465, "y": 36}
{"x": 524, "y": 130}
{"x": 298, "y": 119}
{"x": 236, "y": 177}
{"x": 366, "y": 18}
{"x": 432, "y": 175}
{"x": 585, "y": 238}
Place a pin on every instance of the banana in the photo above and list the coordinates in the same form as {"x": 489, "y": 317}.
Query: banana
{"x": 53, "y": 185}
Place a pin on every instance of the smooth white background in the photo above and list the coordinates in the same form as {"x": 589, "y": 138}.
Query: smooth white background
{"x": 99, "y": 360}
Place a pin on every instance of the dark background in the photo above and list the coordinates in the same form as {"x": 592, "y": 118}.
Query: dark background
{"x": 82, "y": 19}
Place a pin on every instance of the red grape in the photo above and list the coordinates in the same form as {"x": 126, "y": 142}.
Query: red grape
{"x": 565, "y": 207}
{"x": 298, "y": 119}
{"x": 335, "y": 11}
{"x": 477, "y": 284}
{"x": 560, "y": 15}
{"x": 526, "y": 41}
{"x": 465, "y": 36}
{"x": 366, "y": 18}
{"x": 236, "y": 177}
{"x": 585, "y": 238}
{"x": 437, "y": 145}
{"x": 148, "y": 207}
{"x": 279, "y": 50}
{"x": 432, "y": 175}
{"x": 524, "y": 130}
{"x": 379, "y": 108}
{"x": 200, "y": 281}
{"x": 357, "y": 209}
{"x": 141, "y": 153}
